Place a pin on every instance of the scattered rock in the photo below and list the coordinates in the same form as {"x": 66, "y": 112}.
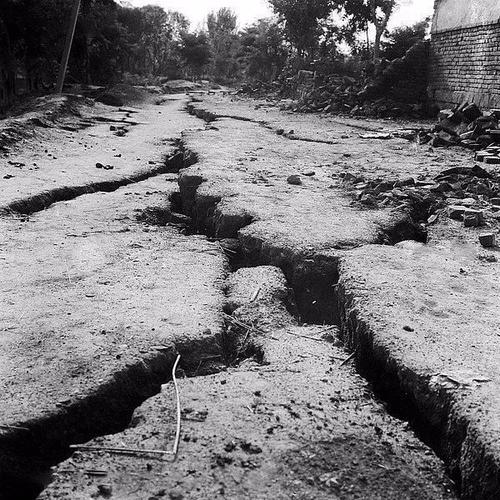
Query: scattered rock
{"x": 488, "y": 240}
{"x": 223, "y": 460}
{"x": 250, "y": 448}
{"x": 294, "y": 180}
{"x": 473, "y": 218}
{"x": 175, "y": 495}
{"x": 105, "y": 490}
{"x": 490, "y": 258}
{"x": 230, "y": 447}
{"x": 368, "y": 199}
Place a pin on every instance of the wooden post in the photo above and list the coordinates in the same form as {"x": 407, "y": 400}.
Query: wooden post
{"x": 67, "y": 48}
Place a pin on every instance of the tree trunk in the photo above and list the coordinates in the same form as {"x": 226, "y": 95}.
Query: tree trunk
{"x": 8, "y": 72}
{"x": 86, "y": 13}
{"x": 376, "y": 44}
{"x": 380, "y": 24}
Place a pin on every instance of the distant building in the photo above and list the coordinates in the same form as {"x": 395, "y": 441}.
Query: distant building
{"x": 465, "y": 53}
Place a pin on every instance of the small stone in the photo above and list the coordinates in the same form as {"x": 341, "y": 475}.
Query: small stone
{"x": 456, "y": 212}
{"x": 442, "y": 187}
{"x": 311, "y": 173}
{"x": 105, "y": 490}
{"x": 473, "y": 218}
{"x": 250, "y": 448}
{"x": 368, "y": 199}
{"x": 230, "y": 447}
{"x": 492, "y": 160}
{"x": 112, "y": 128}
{"x": 99, "y": 165}
{"x": 468, "y": 202}
{"x": 383, "y": 186}
{"x": 348, "y": 177}
{"x": 280, "y": 131}
{"x": 472, "y": 112}
{"x": 294, "y": 180}
{"x": 490, "y": 258}
{"x": 175, "y": 495}
{"x": 410, "y": 181}
{"x": 408, "y": 329}
{"x": 488, "y": 240}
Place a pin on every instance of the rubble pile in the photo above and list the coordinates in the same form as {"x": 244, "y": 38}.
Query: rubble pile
{"x": 343, "y": 95}
{"x": 390, "y": 90}
{"x": 469, "y": 127}
{"x": 468, "y": 194}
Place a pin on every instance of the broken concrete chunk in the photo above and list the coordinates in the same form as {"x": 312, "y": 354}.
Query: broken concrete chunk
{"x": 492, "y": 160}
{"x": 473, "y": 218}
{"x": 383, "y": 186}
{"x": 368, "y": 199}
{"x": 410, "y": 181}
{"x": 456, "y": 212}
{"x": 472, "y": 112}
{"x": 488, "y": 240}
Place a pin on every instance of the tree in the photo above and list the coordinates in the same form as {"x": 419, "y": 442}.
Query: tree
{"x": 380, "y": 13}
{"x": 195, "y": 52}
{"x": 361, "y": 13}
{"x": 7, "y": 67}
{"x": 224, "y": 44}
{"x": 400, "y": 40}
{"x": 302, "y": 19}
{"x": 263, "y": 51}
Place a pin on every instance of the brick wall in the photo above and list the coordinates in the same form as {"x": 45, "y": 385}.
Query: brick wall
{"x": 465, "y": 65}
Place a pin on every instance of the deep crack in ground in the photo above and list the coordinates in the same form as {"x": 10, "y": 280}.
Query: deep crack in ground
{"x": 317, "y": 295}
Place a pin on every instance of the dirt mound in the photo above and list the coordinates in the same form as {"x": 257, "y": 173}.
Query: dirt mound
{"x": 123, "y": 94}
{"x": 45, "y": 111}
{"x": 51, "y": 107}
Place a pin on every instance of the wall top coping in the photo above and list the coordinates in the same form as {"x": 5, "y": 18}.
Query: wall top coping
{"x": 459, "y": 14}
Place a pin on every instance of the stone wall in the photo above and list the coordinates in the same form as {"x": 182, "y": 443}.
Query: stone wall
{"x": 465, "y": 53}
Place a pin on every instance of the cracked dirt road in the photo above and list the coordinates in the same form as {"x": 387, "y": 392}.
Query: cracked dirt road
{"x": 202, "y": 248}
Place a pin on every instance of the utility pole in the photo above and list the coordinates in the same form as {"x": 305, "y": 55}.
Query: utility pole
{"x": 67, "y": 48}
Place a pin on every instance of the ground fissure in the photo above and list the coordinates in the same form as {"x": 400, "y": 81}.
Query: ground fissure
{"x": 293, "y": 272}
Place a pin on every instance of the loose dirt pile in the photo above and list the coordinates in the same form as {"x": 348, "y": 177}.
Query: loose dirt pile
{"x": 40, "y": 112}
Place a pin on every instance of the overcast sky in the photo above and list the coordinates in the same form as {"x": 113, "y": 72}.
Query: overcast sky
{"x": 408, "y": 11}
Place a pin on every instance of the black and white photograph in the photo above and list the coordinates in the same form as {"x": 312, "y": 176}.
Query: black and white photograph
{"x": 249, "y": 249}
